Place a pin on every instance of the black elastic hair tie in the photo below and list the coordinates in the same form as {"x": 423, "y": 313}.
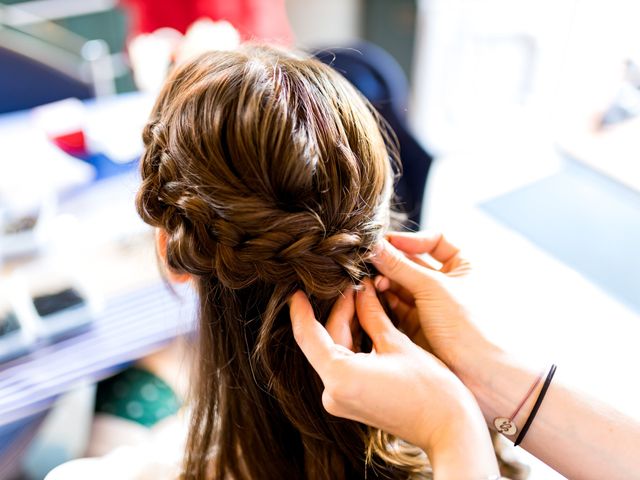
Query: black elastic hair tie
{"x": 536, "y": 406}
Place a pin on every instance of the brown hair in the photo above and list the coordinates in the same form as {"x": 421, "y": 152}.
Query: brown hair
{"x": 269, "y": 172}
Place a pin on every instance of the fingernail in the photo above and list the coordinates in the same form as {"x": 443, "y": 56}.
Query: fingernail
{"x": 367, "y": 286}
{"x": 290, "y": 298}
{"x": 377, "y": 249}
{"x": 381, "y": 283}
{"x": 392, "y": 300}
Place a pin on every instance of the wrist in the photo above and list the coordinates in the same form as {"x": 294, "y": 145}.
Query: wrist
{"x": 462, "y": 449}
{"x": 497, "y": 381}
{"x": 471, "y": 360}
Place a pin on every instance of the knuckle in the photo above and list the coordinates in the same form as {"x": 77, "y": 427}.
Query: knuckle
{"x": 393, "y": 261}
{"x": 336, "y": 367}
{"x": 386, "y": 338}
{"x": 370, "y": 309}
{"x": 329, "y": 403}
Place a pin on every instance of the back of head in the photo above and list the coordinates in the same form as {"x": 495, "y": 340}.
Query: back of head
{"x": 269, "y": 173}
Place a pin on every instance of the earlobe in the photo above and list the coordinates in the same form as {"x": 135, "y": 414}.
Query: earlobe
{"x": 161, "y": 249}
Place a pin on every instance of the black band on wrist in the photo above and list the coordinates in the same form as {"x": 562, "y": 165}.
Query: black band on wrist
{"x": 536, "y": 406}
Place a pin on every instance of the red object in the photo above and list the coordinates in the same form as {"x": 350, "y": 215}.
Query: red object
{"x": 264, "y": 20}
{"x": 72, "y": 143}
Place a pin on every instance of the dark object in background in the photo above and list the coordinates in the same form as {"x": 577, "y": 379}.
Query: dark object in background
{"x": 8, "y": 323}
{"x": 20, "y": 224}
{"x": 57, "y": 302}
{"x": 392, "y": 26}
{"x": 27, "y": 83}
{"x": 379, "y": 77}
{"x": 19, "y": 234}
{"x": 13, "y": 342}
{"x": 626, "y": 104}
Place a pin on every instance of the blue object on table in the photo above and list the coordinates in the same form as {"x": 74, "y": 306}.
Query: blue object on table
{"x": 584, "y": 219}
{"x": 105, "y": 168}
{"x": 26, "y": 83}
{"x": 380, "y": 78}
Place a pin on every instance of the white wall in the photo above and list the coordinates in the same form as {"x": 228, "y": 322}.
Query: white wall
{"x": 481, "y": 64}
{"x": 324, "y": 23}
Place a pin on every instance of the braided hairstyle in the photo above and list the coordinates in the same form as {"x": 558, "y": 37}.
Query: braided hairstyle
{"x": 268, "y": 172}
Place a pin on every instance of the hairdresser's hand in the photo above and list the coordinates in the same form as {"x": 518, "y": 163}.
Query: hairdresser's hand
{"x": 423, "y": 296}
{"x": 576, "y": 435}
{"x": 399, "y": 387}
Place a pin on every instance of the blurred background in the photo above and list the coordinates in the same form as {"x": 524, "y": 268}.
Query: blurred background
{"x": 520, "y": 138}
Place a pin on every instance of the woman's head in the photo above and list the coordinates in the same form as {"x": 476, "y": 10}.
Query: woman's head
{"x": 262, "y": 166}
{"x": 268, "y": 172}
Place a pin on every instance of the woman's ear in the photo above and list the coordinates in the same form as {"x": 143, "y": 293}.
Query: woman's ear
{"x": 161, "y": 248}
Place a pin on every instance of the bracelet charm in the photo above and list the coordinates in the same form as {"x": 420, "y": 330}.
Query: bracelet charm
{"x": 505, "y": 426}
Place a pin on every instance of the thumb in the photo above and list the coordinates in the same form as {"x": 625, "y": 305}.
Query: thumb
{"x": 392, "y": 263}
{"x": 374, "y": 319}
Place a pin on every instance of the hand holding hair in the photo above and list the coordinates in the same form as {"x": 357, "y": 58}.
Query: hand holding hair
{"x": 424, "y": 297}
{"x": 398, "y": 387}
{"x": 575, "y": 434}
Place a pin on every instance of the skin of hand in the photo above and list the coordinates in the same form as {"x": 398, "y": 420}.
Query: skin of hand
{"x": 573, "y": 433}
{"x": 421, "y": 274}
{"x": 398, "y": 387}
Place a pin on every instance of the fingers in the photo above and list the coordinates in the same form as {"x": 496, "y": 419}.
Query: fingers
{"x": 431, "y": 243}
{"x": 383, "y": 284}
{"x": 339, "y": 324}
{"x": 406, "y": 315}
{"x": 372, "y": 316}
{"x": 312, "y": 338}
{"x": 393, "y": 264}
{"x": 401, "y": 310}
